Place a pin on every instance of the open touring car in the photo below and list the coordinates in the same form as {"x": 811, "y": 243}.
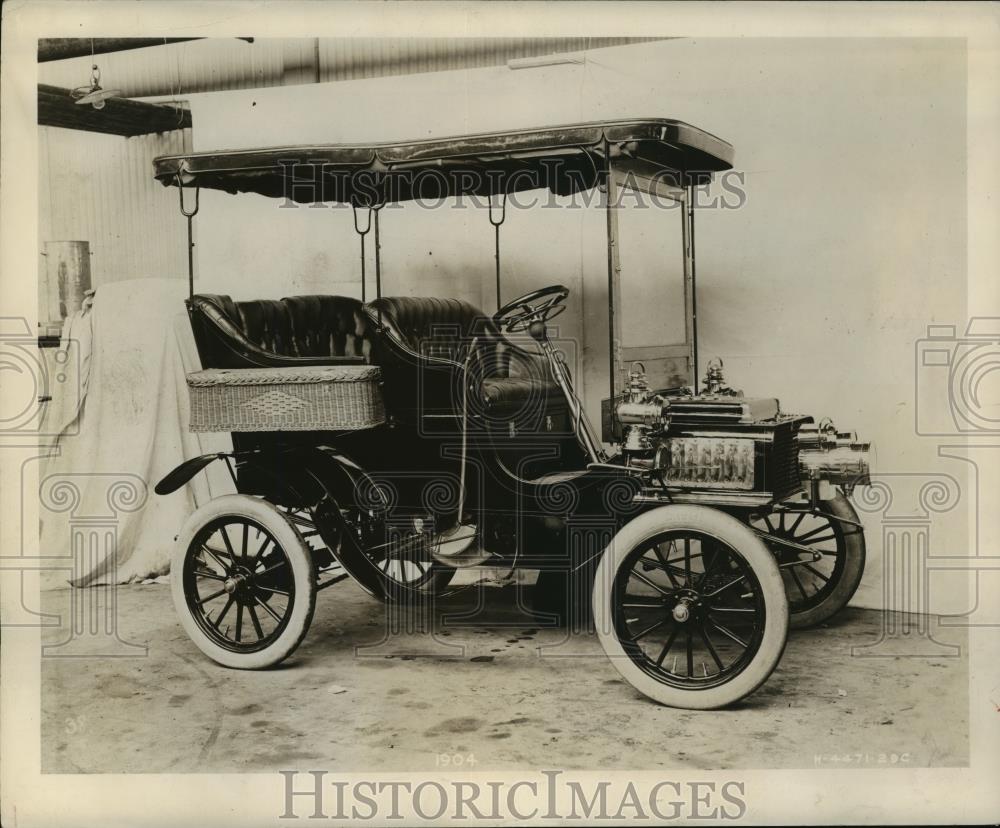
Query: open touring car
{"x": 396, "y": 439}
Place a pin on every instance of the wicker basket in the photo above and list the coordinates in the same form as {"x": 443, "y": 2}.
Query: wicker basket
{"x": 328, "y": 397}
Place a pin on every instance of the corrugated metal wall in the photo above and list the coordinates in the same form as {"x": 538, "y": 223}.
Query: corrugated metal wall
{"x": 178, "y": 69}
{"x": 100, "y": 188}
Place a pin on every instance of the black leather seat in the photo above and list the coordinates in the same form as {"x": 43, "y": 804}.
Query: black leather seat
{"x": 434, "y": 328}
{"x": 435, "y": 334}
{"x": 421, "y": 348}
{"x": 271, "y": 333}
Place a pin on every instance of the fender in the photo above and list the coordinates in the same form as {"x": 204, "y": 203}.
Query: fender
{"x": 177, "y": 477}
{"x": 338, "y": 479}
{"x": 317, "y": 478}
{"x": 286, "y": 473}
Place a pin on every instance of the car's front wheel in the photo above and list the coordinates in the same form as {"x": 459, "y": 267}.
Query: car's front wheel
{"x": 690, "y": 607}
{"x": 818, "y": 585}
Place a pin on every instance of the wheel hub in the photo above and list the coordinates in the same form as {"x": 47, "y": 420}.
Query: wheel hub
{"x": 236, "y": 581}
{"x": 687, "y": 603}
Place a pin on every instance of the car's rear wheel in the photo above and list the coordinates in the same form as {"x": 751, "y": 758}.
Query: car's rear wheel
{"x": 400, "y": 556}
{"x": 689, "y": 606}
{"x": 243, "y": 582}
{"x": 398, "y": 575}
{"x": 406, "y": 576}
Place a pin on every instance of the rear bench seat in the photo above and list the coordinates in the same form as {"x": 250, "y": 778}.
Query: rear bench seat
{"x": 275, "y": 333}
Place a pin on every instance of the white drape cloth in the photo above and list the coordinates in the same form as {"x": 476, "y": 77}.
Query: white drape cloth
{"x": 123, "y": 432}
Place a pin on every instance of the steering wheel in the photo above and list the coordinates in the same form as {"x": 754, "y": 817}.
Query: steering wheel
{"x": 538, "y": 306}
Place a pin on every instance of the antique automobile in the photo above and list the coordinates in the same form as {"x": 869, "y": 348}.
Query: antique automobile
{"x": 397, "y": 439}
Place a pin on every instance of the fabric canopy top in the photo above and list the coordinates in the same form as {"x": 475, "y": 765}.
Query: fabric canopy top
{"x": 564, "y": 159}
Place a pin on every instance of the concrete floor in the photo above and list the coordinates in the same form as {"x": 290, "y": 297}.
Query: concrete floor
{"x": 345, "y": 701}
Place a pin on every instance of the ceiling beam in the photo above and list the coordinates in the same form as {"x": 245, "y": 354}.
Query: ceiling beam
{"x": 120, "y": 116}
{"x": 62, "y": 48}
{"x": 216, "y": 64}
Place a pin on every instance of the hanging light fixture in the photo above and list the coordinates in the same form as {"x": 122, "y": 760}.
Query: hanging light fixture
{"x": 93, "y": 94}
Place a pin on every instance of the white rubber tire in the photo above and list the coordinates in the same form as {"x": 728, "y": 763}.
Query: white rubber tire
{"x": 737, "y": 536}
{"x": 850, "y": 577}
{"x": 302, "y": 573}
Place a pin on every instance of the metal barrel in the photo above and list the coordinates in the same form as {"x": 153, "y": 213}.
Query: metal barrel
{"x": 67, "y": 279}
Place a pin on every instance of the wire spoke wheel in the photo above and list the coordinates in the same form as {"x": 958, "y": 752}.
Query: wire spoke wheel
{"x": 244, "y": 584}
{"x": 689, "y": 610}
{"x": 401, "y": 556}
{"x": 411, "y": 578}
{"x": 817, "y": 585}
{"x": 409, "y": 573}
{"x": 689, "y": 606}
{"x": 326, "y": 561}
{"x": 238, "y": 584}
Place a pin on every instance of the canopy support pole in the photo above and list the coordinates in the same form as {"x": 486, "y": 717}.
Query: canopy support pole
{"x": 694, "y": 287}
{"x": 378, "y": 255}
{"x": 378, "y": 260}
{"x": 189, "y": 215}
{"x": 362, "y": 234}
{"x": 496, "y": 235}
{"x": 614, "y": 268}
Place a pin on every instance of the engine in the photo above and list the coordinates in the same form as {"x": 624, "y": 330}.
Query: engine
{"x": 642, "y": 415}
{"x": 720, "y": 441}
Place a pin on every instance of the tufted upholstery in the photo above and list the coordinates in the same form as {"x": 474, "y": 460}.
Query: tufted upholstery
{"x": 511, "y": 379}
{"x": 437, "y": 328}
{"x": 299, "y": 330}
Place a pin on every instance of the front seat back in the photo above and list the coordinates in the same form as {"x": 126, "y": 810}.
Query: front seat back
{"x": 422, "y": 347}
{"x": 440, "y": 329}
